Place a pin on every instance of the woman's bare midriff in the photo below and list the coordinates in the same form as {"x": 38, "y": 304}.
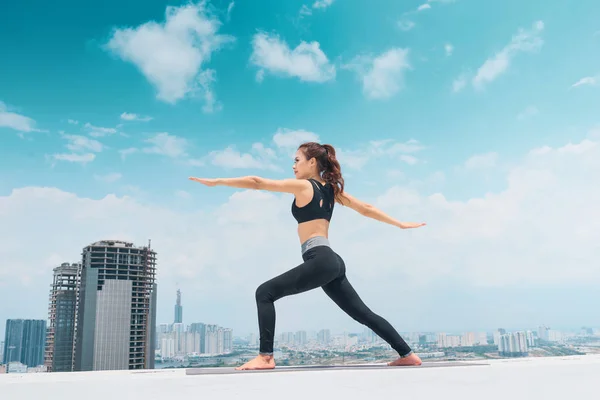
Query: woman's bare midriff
{"x": 309, "y": 229}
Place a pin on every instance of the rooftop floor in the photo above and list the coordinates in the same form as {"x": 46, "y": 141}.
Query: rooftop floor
{"x": 526, "y": 378}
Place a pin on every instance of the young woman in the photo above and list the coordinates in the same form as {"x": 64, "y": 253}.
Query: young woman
{"x": 317, "y": 187}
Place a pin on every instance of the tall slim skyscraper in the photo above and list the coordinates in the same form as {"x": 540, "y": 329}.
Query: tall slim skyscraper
{"x": 24, "y": 341}
{"x": 178, "y": 309}
{"x": 61, "y": 314}
{"x": 116, "y": 307}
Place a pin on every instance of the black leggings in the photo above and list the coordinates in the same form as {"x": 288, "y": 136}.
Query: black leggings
{"x": 322, "y": 267}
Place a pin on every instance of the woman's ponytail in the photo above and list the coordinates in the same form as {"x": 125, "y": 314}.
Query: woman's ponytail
{"x": 329, "y": 166}
{"x": 332, "y": 172}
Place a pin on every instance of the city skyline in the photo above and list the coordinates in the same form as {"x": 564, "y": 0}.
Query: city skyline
{"x": 478, "y": 119}
{"x": 350, "y": 328}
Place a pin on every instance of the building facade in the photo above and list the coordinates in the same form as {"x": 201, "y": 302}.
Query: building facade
{"x": 116, "y": 307}
{"x": 61, "y": 317}
{"x": 25, "y": 341}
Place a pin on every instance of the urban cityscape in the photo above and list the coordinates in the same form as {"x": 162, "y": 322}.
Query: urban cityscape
{"x": 102, "y": 316}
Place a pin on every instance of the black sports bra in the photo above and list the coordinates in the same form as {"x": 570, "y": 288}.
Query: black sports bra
{"x": 319, "y": 207}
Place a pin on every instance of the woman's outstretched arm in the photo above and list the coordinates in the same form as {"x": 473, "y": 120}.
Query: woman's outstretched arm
{"x": 371, "y": 211}
{"x": 294, "y": 186}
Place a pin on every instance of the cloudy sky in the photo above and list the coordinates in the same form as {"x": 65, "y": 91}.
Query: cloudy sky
{"x": 479, "y": 118}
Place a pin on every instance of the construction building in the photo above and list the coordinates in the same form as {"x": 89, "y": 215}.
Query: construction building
{"x": 116, "y": 307}
{"x": 61, "y": 317}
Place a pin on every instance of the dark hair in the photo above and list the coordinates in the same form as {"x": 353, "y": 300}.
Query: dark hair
{"x": 327, "y": 163}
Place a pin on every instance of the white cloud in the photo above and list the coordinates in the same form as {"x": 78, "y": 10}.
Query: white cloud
{"x": 322, "y": 3}
{"x": 305, "y": 10}
{"x": 98, "y": 131}
{"x": 171, "y": 54}
{"x": 261, "y": 156}
{"x": 382, "y": 76}
{"x": 352, "y": 159}
{"x": 317, "y": 5}
{"x": 83, "y": 158}
{"x": 530, "y": 111}
{"x": 135, "y": 117}
{"x": 232, "y": 158}
{"x": 16, "y": 121}
{"x": 291, "y": 139}
{"x": 406, "y": 25}
{"x": 73, "y": 122}
{"x": 395, "y": 174}
{"x": 449, "y": 49}
{"x": 82, "y": 143}
{"x": 125, "y": 152}
{"x": 206, "y": 80}
{"x": 540, "y": 231}
{"x": 82, "y": 149}
{"x": 389, "y": 146}
{"x": 230, "y": 9}
{"x": 306, "y": 62}
{"x": 167, "y": 145}
{"x": 378, "y": 149}
{"x": 424, "y": 7}
{"x": 588, "y": 80}
{"x": 109, "y": 178}
{"x": 523, "y": 41}
{"x": 480, "y": 161}
{"x": 182, "y": 194}
{"x": 411, "y": 160}
{"x": 459, "y": 83}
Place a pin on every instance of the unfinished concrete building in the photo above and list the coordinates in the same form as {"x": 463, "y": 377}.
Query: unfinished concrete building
{"x": 61, "y": 317}
{"x": 116, "y": 307}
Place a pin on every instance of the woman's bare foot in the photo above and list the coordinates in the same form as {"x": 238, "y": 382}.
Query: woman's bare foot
{"x": 260, "y": 362}
{"x": 412, "y": 359}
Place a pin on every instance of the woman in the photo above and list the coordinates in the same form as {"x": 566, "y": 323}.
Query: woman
{"x": 317, "y": 187}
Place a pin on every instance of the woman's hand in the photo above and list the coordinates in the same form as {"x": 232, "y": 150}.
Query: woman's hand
{"x": 409, "y": 225}
{"x": 204, "y": 181}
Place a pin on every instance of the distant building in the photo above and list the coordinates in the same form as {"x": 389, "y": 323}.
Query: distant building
{"x": 513, "y": 345}
{"x": 24, "y": 342}
{"x": 301, "y": 338}
{"x": 15, "y": 367}
{"x": 61, "y": 316}
{"x": 116, "y": 307}
{"x": 543, "y": 333}
{"x": 324, "y": 336}
{"x": 198, "y": 328}
{"x": 178, "y": 309}
{"x": 199, "y": 338}
{"x": 227, "y": 340}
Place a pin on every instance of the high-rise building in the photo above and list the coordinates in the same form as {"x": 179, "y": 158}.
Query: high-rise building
{"x": 227, "y": 340}
{"x": 543, "y": 333}
{"x": 61, "y": 316}
{"x": 301, "y": 338}
{"x": 178, "y": 309}
{"x": 116, "y": 307}
{"x": 468, "y": 339}
{"x": 324, "y": 336}
{"x": 24, "y": 342}
{"x": 200, "y": 329}
{"x": 513, "y": 344}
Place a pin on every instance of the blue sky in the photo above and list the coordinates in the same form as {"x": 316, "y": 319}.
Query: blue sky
{"x": 435, "y": 107}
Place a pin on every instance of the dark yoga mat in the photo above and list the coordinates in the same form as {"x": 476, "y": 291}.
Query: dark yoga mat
{"x": 231, "y": 370}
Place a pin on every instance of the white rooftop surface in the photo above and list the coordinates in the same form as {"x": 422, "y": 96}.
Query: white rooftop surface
{"x": 525, "y": 378}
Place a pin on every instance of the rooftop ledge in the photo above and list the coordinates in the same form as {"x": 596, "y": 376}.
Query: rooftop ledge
{"x": 544, "y": 378}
